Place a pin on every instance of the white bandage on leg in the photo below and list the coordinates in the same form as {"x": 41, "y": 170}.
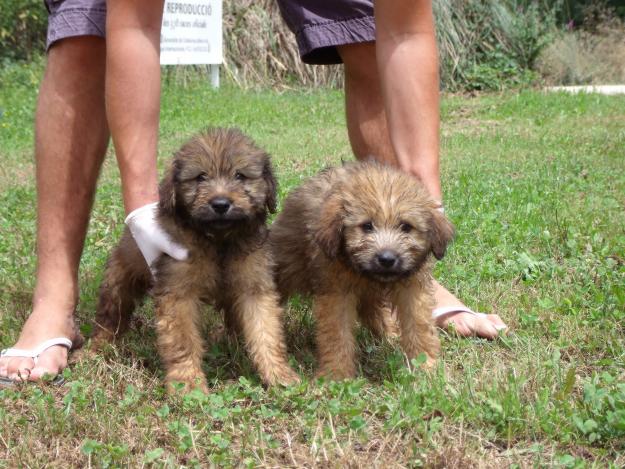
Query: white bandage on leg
{"x": 150, "y": 237}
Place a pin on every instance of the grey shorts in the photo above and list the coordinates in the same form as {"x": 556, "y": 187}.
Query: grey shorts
{"x": 71, "y": 18}
{"x": 321, "y": 25}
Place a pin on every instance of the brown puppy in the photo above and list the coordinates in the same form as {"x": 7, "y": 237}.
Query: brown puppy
{"x": 354, "y": 237}
{"x": 214, "y": 201}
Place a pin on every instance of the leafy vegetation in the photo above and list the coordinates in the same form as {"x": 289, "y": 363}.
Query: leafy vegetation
{"x": 22, "y": 29}
{"x": 534, "y": 184}
{"x": 484, "y": 45}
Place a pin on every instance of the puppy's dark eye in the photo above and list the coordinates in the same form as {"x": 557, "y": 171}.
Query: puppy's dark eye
{"x": 367, "y": 227}
{"x": 405, "y": 227}
{"x": 239, "y": 176}
{"x": 201, "y": 177}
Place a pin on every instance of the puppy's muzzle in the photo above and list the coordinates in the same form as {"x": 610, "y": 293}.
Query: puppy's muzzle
{"x": 386, "y": 259}
{"x": 221, "y": 205}
{"x": 220, "y": 213}
{"x": 385, "y": 266}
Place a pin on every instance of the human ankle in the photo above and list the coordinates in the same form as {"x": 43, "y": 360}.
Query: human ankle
{"x": 56, "y": 297}
{"x": 53, "y": 313}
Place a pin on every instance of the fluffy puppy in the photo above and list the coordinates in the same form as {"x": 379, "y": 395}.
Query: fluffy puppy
{"x": 354, "y": 237}
{"x": 214, "y": 201}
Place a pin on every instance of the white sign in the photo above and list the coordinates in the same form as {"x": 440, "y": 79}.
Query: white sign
{"x": 191, "y": 32}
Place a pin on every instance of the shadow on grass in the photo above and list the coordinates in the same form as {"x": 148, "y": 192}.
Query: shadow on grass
{"x": 226, "y": 358}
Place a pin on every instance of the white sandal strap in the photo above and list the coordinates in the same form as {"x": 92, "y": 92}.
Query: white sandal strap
{"x": 34, "y": 353}
{"x": 445, "y": 310}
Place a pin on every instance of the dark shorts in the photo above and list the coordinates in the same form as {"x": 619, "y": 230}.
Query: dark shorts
{"x": 321, "y": 25}
{"x": 71, "y": 18}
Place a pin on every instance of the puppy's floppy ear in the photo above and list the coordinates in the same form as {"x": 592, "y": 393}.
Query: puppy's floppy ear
{"x": 441, "y": 233}
{"x": 329, "y": 229}
{"x": 167, "y": 190}
{"x": 272, "y": 186}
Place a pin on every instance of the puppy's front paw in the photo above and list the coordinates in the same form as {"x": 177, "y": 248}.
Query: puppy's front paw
{"x": 422, "y": 360}
{"x": 430, "y": 363}
{"x": 336, "y": 374}
{"x": 98, "y": 341}
{"x": 287, "y": 377}
{"x": 283, "y": 376}
{"x": 102, "y": 333}
{"x": 185, "y": 384}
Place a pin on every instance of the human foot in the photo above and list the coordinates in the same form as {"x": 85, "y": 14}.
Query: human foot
{"x": 40, "y": 327}
{"x": 450, "y": 311}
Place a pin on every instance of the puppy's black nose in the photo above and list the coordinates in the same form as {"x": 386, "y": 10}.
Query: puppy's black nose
{"x": 220, "y": 205}
{"x": 387, "y": 258}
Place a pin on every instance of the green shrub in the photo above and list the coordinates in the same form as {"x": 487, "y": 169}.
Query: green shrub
{"x": 492, "y": 44}
{"x": 577, "y": 10}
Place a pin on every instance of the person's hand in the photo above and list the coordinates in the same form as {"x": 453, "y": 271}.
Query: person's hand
{"x": 150, "y": 237}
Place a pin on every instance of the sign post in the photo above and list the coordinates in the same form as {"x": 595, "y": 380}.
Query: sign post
{"x": 192, "y": 34}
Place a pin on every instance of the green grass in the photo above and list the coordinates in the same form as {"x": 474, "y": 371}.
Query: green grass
{"x": 535, "y": 185}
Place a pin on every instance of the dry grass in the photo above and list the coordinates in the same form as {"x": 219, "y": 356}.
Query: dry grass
{"x": 586, "y": 57}
{"x": 592, "y": 55}
{"x": 261, "y": 51}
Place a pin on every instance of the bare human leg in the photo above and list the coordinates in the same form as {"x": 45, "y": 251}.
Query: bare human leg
{"x": 71, "y": 136}
{"x": 133, "y": 87}
{"x": 368, "y": 134}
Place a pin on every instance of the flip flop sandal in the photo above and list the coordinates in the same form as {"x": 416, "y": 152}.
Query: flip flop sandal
{"x": 449, "y": 310}
{"x": 34, "y": 354}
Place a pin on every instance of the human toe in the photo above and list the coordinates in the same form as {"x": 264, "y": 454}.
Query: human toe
{"x": 39, "y": 373}
{"x": 497, "y": 321}
{"x": 50, "y": 362}
{"x": 484, "y": 328}
{"x": 4, "y": 369}
{"x": 18, "y": 369}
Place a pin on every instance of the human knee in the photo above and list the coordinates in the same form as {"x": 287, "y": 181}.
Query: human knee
{"x": 360, "y": 62}
{"x": 86, "y": 54}
{"x": 75, "y": 68}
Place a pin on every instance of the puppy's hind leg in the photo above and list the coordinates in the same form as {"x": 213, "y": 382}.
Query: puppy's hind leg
{"x": 418, "y": 334}
{"x": 126, "y": 280}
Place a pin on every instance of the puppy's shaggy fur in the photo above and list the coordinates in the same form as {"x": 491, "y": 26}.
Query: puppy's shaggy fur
{"x": 214, "y": 201}
{"x": 355, "y": 237}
